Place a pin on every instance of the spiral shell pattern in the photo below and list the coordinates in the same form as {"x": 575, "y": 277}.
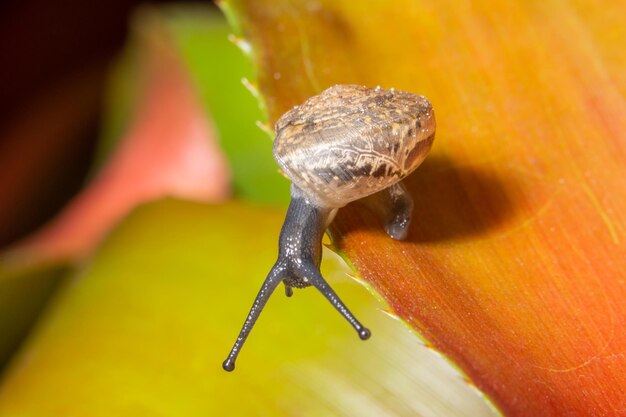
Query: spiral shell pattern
{"x": 351, "y": 141}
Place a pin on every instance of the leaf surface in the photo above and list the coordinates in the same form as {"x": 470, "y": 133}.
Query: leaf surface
{"x": 142, "y": 329}
{"x": 514, "y": 265}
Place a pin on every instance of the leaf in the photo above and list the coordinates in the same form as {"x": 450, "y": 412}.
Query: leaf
{"x": 23, "y": 294}
{"x": 142, "y": 329}
{"x": 216, "y": 70}
{"x": 514, "y": 266}
{"x": 169, "y": 149}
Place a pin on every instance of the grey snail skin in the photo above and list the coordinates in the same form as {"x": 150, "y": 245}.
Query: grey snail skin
{"x": 347, "y": 143}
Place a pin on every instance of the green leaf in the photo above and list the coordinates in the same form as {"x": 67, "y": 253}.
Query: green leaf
{"x": 142, "y": 329}
{"x": 219, "y": 70}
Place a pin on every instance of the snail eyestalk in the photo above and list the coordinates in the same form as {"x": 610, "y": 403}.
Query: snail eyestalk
{"x": 299, "y": 256}
{"x": 269, "y": 285}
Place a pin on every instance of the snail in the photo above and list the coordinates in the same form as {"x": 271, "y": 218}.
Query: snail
{"x": 347, "y": 143}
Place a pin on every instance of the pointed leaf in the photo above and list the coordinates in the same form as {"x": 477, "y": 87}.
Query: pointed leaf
{"x": 514, "y": 266}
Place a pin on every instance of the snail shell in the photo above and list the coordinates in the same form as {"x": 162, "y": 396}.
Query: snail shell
{"x": 351, "y": 141}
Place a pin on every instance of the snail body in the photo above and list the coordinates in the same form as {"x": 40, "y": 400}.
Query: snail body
{"x": 345, "y": 144}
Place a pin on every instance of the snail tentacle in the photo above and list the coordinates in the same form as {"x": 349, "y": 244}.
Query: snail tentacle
{"x": 318, "y": 281}
{"x": 274, "y": 278}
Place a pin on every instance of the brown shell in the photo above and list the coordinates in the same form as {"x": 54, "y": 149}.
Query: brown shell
{"x": 351, "y": 141}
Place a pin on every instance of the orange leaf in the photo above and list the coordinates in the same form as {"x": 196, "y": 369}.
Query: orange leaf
{"x": 514, "y": 266}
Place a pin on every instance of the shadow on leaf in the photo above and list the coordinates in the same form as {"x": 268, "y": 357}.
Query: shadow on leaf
{"x": 452, "y": 202}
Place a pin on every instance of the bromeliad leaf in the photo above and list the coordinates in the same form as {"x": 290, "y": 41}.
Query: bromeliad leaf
{"x": 514, "y": 266}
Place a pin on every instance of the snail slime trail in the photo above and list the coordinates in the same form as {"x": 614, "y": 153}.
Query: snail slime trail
{"x": 347, "y": 143}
